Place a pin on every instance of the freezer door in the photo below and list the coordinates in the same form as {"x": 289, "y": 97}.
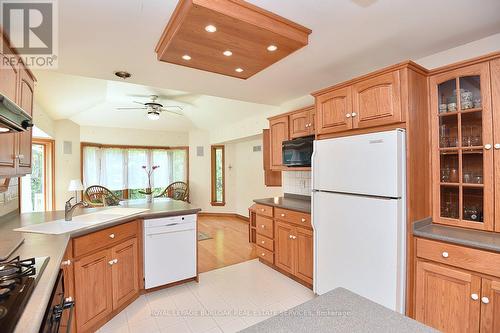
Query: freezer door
{"x": 359, "y": 244}
{"x": 372, "y": 164}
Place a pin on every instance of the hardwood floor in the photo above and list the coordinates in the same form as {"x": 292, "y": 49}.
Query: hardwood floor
{"x": 229, "y": 243}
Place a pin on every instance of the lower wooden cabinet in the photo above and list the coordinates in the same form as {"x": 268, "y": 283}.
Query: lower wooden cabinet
{"x": 294, "y": 250}
{"x": 105, "y": 279}
{"x": 454, "y": 300}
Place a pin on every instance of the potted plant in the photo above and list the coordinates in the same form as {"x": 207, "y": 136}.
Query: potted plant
{"x": 148, "y": 192}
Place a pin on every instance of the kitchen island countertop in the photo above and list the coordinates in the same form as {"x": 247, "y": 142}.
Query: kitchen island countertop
{"x": 339, "y": 311}
{"x": 54, "y": 246}
{"x": 297, "y": 203}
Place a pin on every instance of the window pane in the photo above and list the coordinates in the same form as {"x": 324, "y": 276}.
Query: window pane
{"x": 218, "y": 175}
{"x": 179, "y": 165}
{"x": 112, "y": 169}
{"x": 134, "y": 194}
{"x": 32, "y": 186}
{"x": 91, "y": 166}
{"x": 137, "y": 177}
{"x": 162, "y": 176}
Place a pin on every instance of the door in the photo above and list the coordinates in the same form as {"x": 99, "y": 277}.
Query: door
{"x": 495, "y": 89}
{"x": 334, "y": 111}
{"x": 377, "y": 101}
{"x": 93, "y": 293}
{"x": 279, "y": 133}
{"x": 359, "y": 244}
{"x": 299, "y": 124}
{"x": 284, "y": 253}
{"x": 462, "y": 148}
{"x": 26, "y": 88}
{"x": 447, "y": 298}
{"x": 124, "y": 272}
{"x": 304, "y": 254}
{"x": 8, "y": 87}
{"x": 372, "y": 164}
{"x": 490, "y": 306}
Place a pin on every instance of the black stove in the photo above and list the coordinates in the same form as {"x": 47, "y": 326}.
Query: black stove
{"x": 17, "y": 281}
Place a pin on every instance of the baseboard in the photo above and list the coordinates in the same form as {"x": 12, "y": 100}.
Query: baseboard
{"x": 238, "y": 216}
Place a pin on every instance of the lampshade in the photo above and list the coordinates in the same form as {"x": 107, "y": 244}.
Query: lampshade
{"x": 75, "y": 185}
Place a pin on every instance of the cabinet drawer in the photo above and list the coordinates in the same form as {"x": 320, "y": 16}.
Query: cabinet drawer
{"x": 265, "y": 254}
{"x": 264, "y": 210}
{"x": 291, "y": 216}
{"x": 265, "y": 242}
{"x": 467, "y": 258}
{"x": 103, "y": 238}
{"x": 264, "y": 226}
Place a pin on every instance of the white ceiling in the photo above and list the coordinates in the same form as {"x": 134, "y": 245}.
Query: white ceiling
{"x": 93, "y": 102}
{"x": 350, "y": 37}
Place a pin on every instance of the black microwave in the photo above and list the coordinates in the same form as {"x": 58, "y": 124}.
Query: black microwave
{"x": 298, "y": 152}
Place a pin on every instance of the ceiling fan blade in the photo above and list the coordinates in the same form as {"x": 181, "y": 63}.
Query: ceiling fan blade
{"x": 130, "y": 108}
{"x": 142, "y": 103}
{"x": 178, "y": 107}
{"x": 173, "y": 112}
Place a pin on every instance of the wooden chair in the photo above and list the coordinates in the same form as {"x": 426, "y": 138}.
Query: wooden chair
{"x": 176, "y": 191}
{"x": 95, "y": 194}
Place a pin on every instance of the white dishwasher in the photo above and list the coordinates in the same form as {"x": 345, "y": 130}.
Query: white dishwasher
{"x": 169, "y": 250}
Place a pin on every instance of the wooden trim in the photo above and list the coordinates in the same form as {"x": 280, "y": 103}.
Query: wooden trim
{"x": 213, "y": 150}
{"x": 291, "y": 276}
{"x": 360, "y": 131}
{"x": 168, "y": 285}
{"x": 49, "y": 149}
{"x": 306, "y": 108}
{"x": 465, "y": 63}
{"x": 234, "y": 215}
{"x": 402, "y": 65}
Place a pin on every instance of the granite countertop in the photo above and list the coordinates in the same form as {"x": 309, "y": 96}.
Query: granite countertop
{"x": 299, "y": 203}
{"x": 339, "y": 311}
{"x": 54, "y": 246}
{"x": 473, "y": 238}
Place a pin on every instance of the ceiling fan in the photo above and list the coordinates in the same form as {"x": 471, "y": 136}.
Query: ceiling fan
{"x": 153, "y": 108}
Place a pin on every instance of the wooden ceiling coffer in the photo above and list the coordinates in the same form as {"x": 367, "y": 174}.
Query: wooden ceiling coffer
{"x": 228, "y": 37}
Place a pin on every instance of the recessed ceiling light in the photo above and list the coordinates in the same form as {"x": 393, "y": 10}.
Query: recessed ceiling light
{"x": 210, "y": 28}
{"x": 186, "y": 57}
{"x": 239, "y": 70}
{"x": 272, "y": 48}
{"x": 123, "y": 74}
{"x": 227, "y": 53}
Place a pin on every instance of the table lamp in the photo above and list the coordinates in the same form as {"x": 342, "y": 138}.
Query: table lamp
{"x": 75, "y": 185}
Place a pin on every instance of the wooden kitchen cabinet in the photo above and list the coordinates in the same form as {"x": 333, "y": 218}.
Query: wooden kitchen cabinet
{"x": 124, "y": 272}
{"x": 495, "y": 91}
{"x": 447, "y": 298}
{"x": 462, "y": 147}
{"x": 377, "y": 101}
{"x": 490, "y": 307}
{"x": 93, "y": 289}
{"x": 24, "y": 139}
{"x": 279, "y": 132}
{"x": 106, "y": 275}
{"x": 304, "y": 254}
{"x": 334, "y": 111}
{"x": 302, "y": 122}
{"x": 271, "y": 177}
{"x": 285, "y": 257}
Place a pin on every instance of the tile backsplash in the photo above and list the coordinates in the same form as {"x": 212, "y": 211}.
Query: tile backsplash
{"x": 297, "y": 182}
{"x": 9, "y": 200}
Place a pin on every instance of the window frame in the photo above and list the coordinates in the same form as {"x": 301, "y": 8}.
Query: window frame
{"x": 126, "y": 192}
{"x": 213, "y": 199}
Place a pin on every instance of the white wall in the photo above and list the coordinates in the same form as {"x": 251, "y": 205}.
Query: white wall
{"x": 137, "y": 137}
{"x": 463, "y": 52}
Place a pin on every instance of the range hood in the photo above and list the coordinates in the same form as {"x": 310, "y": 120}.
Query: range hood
{"x": 12, "y": 117}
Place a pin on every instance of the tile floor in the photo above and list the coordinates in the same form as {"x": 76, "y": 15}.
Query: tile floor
{"x": 225, "y": 300}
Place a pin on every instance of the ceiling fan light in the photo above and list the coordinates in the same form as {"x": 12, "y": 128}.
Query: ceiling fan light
{"x": 153, "y": 115}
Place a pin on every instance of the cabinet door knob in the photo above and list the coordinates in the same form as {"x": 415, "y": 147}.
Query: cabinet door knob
{"x": 303, "y": 219}
{"x": 290, "y": 236}
{"x": 294, "y": 237}
{"x": 262, "y": 242}
{"x": 112, "y": 236}
{"x": 445, "y": 254}
{"x": 485, "y": 300}
{"x": 282, "y": 215}
{"x": 66, "y": 263}
{"x": 348, "y": 115}
{"x": 115, "y": 261}
{"x": 21, "y": 157}
{"x": 487, "y": 146}
{"x": 262, "y": 226}
{"x": 262, "y": 209}
{"x": 354, "y": 114}
{"x": 111, "y": 262}
{"x": 263, "y": 254}
{"x": 475, "y": 297}
{"x": 497, "y": 145}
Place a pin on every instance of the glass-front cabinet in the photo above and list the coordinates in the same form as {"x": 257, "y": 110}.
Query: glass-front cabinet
{"x": 462, "y": 147}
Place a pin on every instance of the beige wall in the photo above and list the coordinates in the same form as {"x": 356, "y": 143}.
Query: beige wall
{"x": 136, "y": 137}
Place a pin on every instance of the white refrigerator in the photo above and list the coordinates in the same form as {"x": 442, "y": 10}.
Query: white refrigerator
{"x": 359, "y": 216}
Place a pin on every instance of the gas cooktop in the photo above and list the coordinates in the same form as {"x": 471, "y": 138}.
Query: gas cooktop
{"x": 17, "y": 281}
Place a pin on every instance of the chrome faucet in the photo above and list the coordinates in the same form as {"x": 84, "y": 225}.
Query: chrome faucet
{"x": 69, "y": 209}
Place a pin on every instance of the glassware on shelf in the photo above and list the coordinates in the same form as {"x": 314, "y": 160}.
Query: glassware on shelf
{"x": 477, "y": 103}
{"x": 468, "y": 177}
{"x": 476, "y": 139}
{"x": 445, "y": 175}
{"x": 478, "y": 178}
{"x": 453, "y": 176}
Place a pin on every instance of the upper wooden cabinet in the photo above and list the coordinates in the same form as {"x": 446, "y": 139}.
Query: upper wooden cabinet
{"x": 302, "y": 122}
{"x": 271, "y": 177}
{"x": 495, "y": 89}
{"x": 279, "y": 132}
{"x": 377, "y": 101}
{"x": 463, "y": 147}
{"x": 26, "y": 94}
{"x": 334, "y": 110}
